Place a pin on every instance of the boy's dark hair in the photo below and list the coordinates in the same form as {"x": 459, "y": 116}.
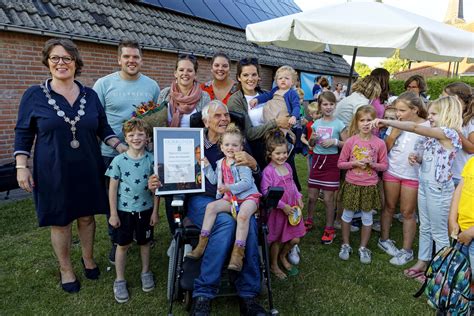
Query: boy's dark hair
{"x": 136, "y": 123}
{"x": 128, "y": 42}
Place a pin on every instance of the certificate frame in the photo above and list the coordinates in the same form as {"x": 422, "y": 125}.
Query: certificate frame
{"x": 176, "y": 159}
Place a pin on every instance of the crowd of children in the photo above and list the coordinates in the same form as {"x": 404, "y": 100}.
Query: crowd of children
{"x": 409, "y": 158}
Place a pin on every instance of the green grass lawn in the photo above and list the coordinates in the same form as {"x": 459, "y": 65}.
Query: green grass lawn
{"x": 326, "y": 285}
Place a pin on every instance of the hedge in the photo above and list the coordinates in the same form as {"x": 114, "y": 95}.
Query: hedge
{"x": 435, "y": 86}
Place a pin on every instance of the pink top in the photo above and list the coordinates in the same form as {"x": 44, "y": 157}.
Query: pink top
{"x": 227, "y": 178}
{"x": 356, "y": 148}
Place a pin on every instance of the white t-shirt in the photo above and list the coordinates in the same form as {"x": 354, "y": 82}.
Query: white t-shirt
{"x": 403, "y": 146}
{"x": 347, "y": 107}
{"x": 461, "y": 156}
{"x": 255, "y": 114}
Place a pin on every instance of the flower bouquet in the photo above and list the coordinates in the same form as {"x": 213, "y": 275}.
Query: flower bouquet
{"x": 154, "y": 114}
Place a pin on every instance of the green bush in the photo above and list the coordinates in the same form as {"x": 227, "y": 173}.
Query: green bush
{"x": 435, "y": 86}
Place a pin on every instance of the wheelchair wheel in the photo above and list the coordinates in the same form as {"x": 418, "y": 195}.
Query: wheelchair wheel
{"x": 188, "y": 300}
{"x": 174, "y": 269}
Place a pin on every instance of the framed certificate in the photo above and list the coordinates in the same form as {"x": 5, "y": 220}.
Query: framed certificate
{"x": 178, "y": 159}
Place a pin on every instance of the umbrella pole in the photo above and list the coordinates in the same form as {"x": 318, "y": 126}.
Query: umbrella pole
{"x": 354, "y": 55}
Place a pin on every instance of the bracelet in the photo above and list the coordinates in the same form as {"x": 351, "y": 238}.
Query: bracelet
{"x": 116, "y": 144}
{"x": 337, "y": 142}
{"x": 21, "y": 167}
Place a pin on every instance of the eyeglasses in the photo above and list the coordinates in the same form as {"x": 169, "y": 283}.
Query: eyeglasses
{"x": 187, "y": 56}
{"x": 248, "y": 61}
{"x": 66, "y": 59}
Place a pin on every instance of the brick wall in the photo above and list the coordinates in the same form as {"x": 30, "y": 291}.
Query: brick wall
{"x": 21, "y": 67}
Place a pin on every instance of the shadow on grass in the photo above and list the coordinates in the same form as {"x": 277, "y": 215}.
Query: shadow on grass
{"x": 326, "y": 285}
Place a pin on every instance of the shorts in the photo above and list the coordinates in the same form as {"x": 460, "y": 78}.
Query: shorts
{"x": 134, "y": 224}
{"x": 388, "y": 177}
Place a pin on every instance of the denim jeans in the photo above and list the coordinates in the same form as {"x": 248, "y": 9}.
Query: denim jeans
{"x": 434, "y": 201}
{"x": 218, "y": 248}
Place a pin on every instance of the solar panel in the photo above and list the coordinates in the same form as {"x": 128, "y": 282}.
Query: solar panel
{"x": 236, "y": 13}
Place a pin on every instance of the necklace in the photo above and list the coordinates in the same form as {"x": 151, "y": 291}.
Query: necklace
{"x": 74, "y": 142}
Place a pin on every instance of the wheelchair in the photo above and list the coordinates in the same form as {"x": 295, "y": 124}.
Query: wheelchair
{"x": 182, "y": 270}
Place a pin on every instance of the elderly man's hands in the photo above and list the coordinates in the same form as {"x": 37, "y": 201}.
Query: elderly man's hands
{"x": 242, "y": 158}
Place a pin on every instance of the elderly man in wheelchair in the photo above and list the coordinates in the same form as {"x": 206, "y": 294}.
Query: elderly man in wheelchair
{"x": 247, "y": 283}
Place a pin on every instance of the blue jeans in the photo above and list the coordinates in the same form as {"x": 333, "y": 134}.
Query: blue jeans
{"x": 218, "y": 248}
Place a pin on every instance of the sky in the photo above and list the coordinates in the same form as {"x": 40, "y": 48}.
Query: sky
{"x": 433, "y": 9}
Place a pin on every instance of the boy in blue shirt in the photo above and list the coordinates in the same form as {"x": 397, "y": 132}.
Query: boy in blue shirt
{"x": 133, "y": 208}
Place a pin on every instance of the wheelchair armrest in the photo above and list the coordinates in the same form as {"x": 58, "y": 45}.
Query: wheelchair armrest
{"x": 273, "y": 196}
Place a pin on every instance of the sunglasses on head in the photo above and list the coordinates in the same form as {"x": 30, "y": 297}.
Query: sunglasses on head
{"x": 187, "y": 56}
{"x": 248, "y": 61}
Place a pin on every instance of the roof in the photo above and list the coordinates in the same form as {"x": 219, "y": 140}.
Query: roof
{"x": 107, "y": 21}
{"x": 236, "y": 13}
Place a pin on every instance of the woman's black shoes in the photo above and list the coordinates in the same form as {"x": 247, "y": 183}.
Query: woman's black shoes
{"x": 71, "y": 287}
{"x": 91, "y": 274}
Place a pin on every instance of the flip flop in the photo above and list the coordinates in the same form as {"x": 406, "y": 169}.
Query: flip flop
{"x": 412, "y": 273}
{"x": 421, "y": 278}
{"x": 293, "y": 271}
{"x": 279, "y": 274}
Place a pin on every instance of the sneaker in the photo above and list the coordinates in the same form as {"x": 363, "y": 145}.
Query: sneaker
{"x": 403, "y": 257}
{"x": 388, "y": 246}
{"x": 365, "y": 255}
{"x": 112, "y": 252}
{"x": 337, "y": 225}
{"x": 120, "y": 291}
{"x": 250, "y": 307}
{"x": 376, "y": 226}
{"x": 345, "y": 252}
{"x": 328, "y": 236}
{"x": 201, "y": 306}
{"x": 293, "y": 255}
{"x": 148, "y": 284}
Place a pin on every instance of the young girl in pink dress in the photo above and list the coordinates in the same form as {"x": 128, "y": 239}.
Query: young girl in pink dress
{"x": 282, "y": 235}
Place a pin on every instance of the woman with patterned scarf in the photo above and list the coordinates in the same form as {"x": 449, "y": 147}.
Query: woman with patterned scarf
{"x": 185, "y": 96}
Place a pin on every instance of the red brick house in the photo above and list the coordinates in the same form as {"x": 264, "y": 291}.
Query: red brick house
{"x": 97, "y": 26}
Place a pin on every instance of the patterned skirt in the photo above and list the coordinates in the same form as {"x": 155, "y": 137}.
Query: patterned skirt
{"x": 360, "y": 198}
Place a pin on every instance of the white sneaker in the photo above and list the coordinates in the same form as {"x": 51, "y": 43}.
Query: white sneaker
{"x": 293, "y": 255}
{"x": 365, "y": 255}
{"x": 403, "y": 257}
{"x": 337, "y": 225}
{"x": 376, "y": 226}
{"x": 388, "y": 246}
{"x": 345, "y": 252}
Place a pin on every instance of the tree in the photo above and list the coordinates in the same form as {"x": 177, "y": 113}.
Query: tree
{"x": 394, "y": 64}
{"x": 362, "y": 69}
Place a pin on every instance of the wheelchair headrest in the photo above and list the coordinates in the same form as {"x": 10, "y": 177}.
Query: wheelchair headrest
{"x": 235, "y": 117}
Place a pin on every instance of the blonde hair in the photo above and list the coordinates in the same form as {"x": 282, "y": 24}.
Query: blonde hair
{"x": 313, "y": 107}
{"x": 300, "y": 92}
{"x": 290, "y": 70}
{"x": 368, "y": 86}
{"x": 232, "y": 129}
{"x": 366, "y": 109}
{"x": 449, "y": 112}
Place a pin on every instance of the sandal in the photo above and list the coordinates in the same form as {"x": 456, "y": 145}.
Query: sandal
{"x": 412, "y": 273}
{"x": 279, "y": 274}
{"x": 293, "y": 271}
{"x": 308, "y": 224}
{"x": 421, "y": 278}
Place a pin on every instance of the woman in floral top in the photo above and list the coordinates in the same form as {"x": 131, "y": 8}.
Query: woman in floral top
{"x": 436, "y": 156}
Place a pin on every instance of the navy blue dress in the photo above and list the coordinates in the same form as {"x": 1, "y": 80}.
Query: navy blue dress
{"x": 69, "y": 183}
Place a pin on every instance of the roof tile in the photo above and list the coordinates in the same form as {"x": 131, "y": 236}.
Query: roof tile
{"x": 160, "y": 29}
